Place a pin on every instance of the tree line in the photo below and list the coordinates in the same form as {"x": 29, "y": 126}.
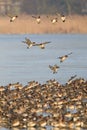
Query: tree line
{"x": 45, "y": 6}
{"x": 53, "y": 6}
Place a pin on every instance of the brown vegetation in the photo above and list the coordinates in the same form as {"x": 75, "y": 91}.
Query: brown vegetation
{"x": 26, "y": 24}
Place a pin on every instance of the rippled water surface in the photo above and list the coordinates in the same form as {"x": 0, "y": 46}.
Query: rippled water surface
{"x": 19, "y": 64}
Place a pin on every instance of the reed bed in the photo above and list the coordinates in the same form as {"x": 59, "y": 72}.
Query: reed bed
{"x": 26, "y": 24}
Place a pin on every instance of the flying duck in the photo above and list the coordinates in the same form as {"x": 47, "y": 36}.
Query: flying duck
{"x": 54, "y": 20}
{"x": 28, "y": 42}
{"x": 62, "y": 58}
{"x": 71, "y": 79}
{"x": 63, "y": 18}
{"x": 54, "y": 68}
{"x": 42, "y": 45}
{"x": 38, "y": 19}
{"x": 12, "y": 18}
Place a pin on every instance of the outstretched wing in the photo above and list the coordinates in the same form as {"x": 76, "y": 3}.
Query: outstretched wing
{"x": 56, "y": 66}
{"x": 41, "y": 44}
{"x": 72, "y": 77}
{"x": 27, "y": 39}
{"x": 34, "y": 17}
{"x": 69, "y": 53}
{"x": 36, "y": 44}
{"x": 45, "y": 42}
{"x": 9, "y": 15}
{"x": 51, "y": 67}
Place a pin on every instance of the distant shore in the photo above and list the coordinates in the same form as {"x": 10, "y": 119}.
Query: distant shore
{"x": 26, "y": 24}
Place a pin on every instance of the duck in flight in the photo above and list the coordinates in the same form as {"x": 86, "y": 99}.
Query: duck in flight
{"x": 42, "y": 45}
{"x": 71, "y": 79}
{"x": 54, "y": 68}
{"x": 38, "y": 19}
{"x": 13, "y": 18}
{"x": 63, "y": 18}
{"x": 62, "y": 58}
{"x": 29, "y": 42}
{"x": 54, "y": 20}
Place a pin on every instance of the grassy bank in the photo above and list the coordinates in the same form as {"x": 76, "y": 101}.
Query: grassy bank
{"x": 26, "y": 24}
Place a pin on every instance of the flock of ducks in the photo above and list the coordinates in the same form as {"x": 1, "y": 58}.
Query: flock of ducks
{"x": 55, "y": 67}
{"x": 39, "y": 106}
{"x": 38, "y": 18}
{"x": 42, "y": 106}
{"x": 53, "y": 20}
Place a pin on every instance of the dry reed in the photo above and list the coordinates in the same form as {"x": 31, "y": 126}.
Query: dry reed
{"x": 26, "y": 24}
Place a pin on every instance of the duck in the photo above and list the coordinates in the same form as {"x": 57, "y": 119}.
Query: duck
{"x": 15, "y": 123}
{"x": 63, "y": 18}
{"x": 28, "y": 42}
{"x": 42, "y": 45}
{"x": 54, "y": 68}
{"x": 31, "y": 123}
{"x": 38, "y": 19}
{"x": 13, "y": 18}
{"x": 71, "y": 79}
{"x": 54, "y": 20}
{"x": 63, "y": 58}
{"x": 2, "y": 88}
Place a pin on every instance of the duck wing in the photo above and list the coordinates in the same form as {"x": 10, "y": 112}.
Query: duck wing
{"x": 45, "y": 42}
{"x": 69, "y": 53}
{"x": 34, "y": 17}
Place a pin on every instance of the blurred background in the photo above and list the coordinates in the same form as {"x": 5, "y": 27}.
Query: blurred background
{"x": 74, "y": 10}
{"x": 67, "y": 7}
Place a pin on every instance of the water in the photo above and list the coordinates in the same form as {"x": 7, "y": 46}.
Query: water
{"x": 19, "y": 64}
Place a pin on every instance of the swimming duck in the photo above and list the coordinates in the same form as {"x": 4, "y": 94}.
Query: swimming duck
{"x": 31, "y": 123}
{"x": 28, "y": 42}
{"x": 54, "y": 68}
{"x": 38, "y": 19}
{"x": 2, "y": 88}
{"x": 42, "y": 45}
{"x": 62, "y": 58}
{"x": 15, "y": 123}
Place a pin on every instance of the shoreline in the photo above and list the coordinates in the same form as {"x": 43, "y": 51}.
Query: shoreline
{"x": 26, "y": 24}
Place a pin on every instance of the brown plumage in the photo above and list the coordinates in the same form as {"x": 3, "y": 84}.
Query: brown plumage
{"x": 54, "y": 68}
{"x": 42, "y": 45}
{"x": 29, "y": 42}
{"x": 62, "y": 58}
